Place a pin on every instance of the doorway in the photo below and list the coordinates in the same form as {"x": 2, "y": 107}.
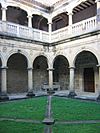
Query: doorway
{"x": 89, "y": 80}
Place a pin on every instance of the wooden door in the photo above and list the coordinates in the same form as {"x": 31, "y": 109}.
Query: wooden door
{"x": 89, "y": 80}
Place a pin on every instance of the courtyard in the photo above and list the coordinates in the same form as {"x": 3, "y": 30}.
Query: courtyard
{"x": 71, "y": 115}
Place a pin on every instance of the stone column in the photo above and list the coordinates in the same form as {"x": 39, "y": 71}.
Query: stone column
{"x": 50, "y": 70}
{"x": 98, "y": 98}
{"x": 50, "y": 29}
{"x": 29, "y": 21}
{"x": 70, "y": 14}
{"x": 30, "y": 82}
{"x": 98, "y": 12}
{"x": 71, "y": 83}
{"x": 30, "y": 26}
{"x": 3, "y": 95}
{"x": 3, "y": 13}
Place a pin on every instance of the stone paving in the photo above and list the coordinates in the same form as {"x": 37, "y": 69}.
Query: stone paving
{"x": 57, "y": 93}
{"x": 56, "y": 122}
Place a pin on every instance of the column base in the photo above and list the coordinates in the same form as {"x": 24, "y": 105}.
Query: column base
{"x": 50, "y": 92}
{"x": 72, "y": 94}
{"x": 30, "y": 94}
{"x": 98, "y": 98}
{"x": 3, "y": 96}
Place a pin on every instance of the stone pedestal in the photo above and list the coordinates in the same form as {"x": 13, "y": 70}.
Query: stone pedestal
{"x": 48, "y": 121}
{"x": 72, "y": 94}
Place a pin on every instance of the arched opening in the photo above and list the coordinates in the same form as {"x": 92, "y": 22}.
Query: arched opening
{"x": 84, "y": 11}
{"x": 0, "y": 12}
{"x": 39, "y": 22}
{"x": 17, "y": 15}
{"x": 17, "y": 74}
{"x": 0, "y": 73}
{"x": 61, "y": 72}
{"x": 60, "y": 21}
{"x": 86, "y": 71}
{"x": 40, "y": 73}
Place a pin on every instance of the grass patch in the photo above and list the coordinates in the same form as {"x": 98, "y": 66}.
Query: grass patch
{"x": 20, "y": 127}
{"x": 80, "y": 128}
{"x": 63, "y": 109}
{"x": 71, "y": 109}
{"x": 25, "y": 109}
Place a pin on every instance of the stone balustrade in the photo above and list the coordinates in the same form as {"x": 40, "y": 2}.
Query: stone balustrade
{"x": 79, "y": 28}
{"x": 17, "y": 30}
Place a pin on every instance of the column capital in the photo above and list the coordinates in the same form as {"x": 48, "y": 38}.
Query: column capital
{"x": 49, "y": 21}
{"x": 50, "y": 69}
{"x": 70, "y": 12}
{"x": 29, "y": 68}
{"x": 4, "y": 67}
{"x": 4, "y": 8}
{"x": 29, "y": 16}
{"x": 98, "y": 65}
{"x": 72, "y": 67}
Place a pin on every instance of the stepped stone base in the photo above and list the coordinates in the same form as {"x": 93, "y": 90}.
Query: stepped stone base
{"x": 30, "y": 94}
{"x": 48, "y": 121}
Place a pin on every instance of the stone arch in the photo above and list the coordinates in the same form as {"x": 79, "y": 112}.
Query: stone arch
{"x": 95, "y": 52}
{"x": 86, "y": 71}
{"x": 19, "y": 18}
{"x": 21, "y": 52}
{"x": 60, "y": 21}
{"x": 40, "y": 73}
{"x": 40, "y": 54}
{"x": 61, "y": 72}
{"x": 39, "y": 22}
{"x": 17, "y": 78}
{"x": 60, "y": 54}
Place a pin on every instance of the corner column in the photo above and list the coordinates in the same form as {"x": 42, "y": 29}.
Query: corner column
{"x": 71, "y": 84}
{"x": 70, "y": 14}
{"x": 98, "y": 13}
{"x": 4, "y": 18}
{"x": 30, "y": 82}
{"x": 29, "y": 21}
{"x": 50, "y": 29}
{"x": 3, "y": 13}
{"x": 3, "y": 95}
{"x": 30, "y": 26}
{"x": 50, "y": 70}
